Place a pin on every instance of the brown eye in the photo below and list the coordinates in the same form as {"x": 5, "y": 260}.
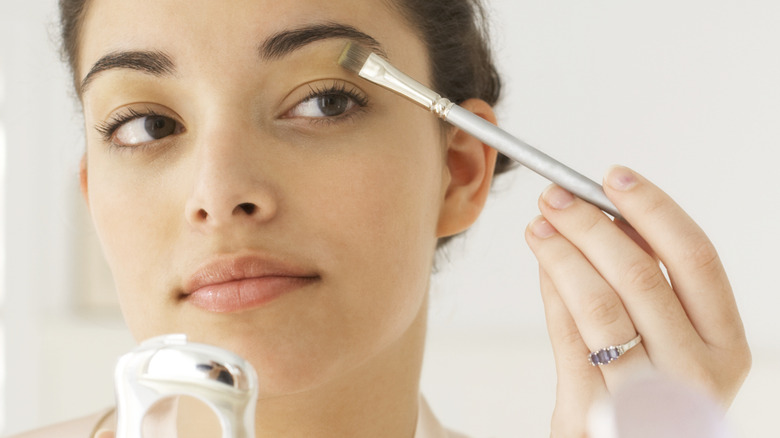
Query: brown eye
{"x": 328, "y": 105}
{"x": 332, "y": 105}
{"x": 145, "y": 129}
{"x": 158, "y": 127}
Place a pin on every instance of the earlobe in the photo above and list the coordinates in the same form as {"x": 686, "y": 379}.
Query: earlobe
{"x": 470, "y": 164}
{"x": 83, "y": 178}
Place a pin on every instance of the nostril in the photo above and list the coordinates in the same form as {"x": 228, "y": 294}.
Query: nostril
{"x": 248, "y": 208}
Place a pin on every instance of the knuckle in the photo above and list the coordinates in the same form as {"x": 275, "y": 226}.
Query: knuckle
{"x": 605, "y": 309}
{"x": 703, "y": 256}
{"x": 745, "y": 363}
{"x": 724, "y": 372}
{"x": 656, "y": 206}
{"x": 591, "y": 224}
{"x": 571, "y": 338}
{"x": 740, "y": 360}
{"x": 705, "y": 378}
{"x": 644, "y": 276}
{"x": 559, "y": 263}
{"x": 697, "y": 367}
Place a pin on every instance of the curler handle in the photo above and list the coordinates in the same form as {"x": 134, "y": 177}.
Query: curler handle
{"x": 169, "y": 366}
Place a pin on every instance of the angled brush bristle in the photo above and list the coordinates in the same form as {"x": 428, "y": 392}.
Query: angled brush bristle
{"x": 354, "y": 56}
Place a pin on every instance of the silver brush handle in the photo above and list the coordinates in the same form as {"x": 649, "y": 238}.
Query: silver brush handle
{"x": 168, "y": 366}
{"x": 531, "y": 158}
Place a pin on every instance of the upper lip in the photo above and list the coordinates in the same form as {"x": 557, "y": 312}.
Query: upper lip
{"x": 227, "y": 269}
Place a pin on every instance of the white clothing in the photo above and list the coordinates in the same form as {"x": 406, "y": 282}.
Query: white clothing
{"x": 429, "y": 427}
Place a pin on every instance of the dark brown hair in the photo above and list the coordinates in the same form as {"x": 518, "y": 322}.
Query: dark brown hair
{"x": 71, "y": 18}
{"x": 456, "y": 35}
{"x": 454, "y": 32}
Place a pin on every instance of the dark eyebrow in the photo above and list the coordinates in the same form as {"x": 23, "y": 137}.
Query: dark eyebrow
{"x": 152, "y": 62}
{"x": 277, "y": 46}
{"x": 286, "y": 42}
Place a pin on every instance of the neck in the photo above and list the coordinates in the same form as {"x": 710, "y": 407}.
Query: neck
{"x": 378, "y": 399}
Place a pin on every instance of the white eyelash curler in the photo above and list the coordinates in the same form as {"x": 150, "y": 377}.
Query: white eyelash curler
{"x": 168, "y": 366}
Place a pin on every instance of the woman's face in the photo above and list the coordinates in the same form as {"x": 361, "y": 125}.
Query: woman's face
{"x": 271, "y": 203}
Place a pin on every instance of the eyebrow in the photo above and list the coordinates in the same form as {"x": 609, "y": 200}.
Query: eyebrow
{"x": 277, "y": 46}
{"x": 283, "y": 43}
{"x": 155, "y": 63}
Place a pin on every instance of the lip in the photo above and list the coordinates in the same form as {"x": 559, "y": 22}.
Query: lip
{"x": 235, "y": 284}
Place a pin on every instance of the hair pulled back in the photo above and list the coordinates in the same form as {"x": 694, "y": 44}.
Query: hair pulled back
{"x": 453, "y": 31}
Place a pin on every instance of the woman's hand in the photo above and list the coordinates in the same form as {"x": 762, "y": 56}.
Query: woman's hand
{"x": 602, "y": 285}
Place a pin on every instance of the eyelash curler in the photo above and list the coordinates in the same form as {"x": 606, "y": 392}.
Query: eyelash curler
{"x": 168, "y": 366}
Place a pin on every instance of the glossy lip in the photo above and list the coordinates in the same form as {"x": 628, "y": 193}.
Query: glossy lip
{"x": 241, "y": 283}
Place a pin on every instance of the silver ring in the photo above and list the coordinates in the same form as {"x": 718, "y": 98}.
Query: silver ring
{"x": 607, "y": 355}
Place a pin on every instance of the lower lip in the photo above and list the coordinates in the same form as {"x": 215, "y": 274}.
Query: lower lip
{"x": 250, "y": 293}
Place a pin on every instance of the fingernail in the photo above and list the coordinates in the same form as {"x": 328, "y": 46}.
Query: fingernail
{"x": 557, "y": 197}
{"x": 621, "y": 178}
{"x": 542, "y": 229}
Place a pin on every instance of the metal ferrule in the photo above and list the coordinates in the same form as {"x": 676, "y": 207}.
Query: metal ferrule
{"x": 442, "y": 107}
{"x": 379, "y": 71}
{"x": 382, "y": 73}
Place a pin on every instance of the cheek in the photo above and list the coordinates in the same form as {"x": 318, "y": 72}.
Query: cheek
{"x": 389, "y": 193}
{"x": 136, "y": 229}
{"x": 132, "y": 218}
{"x": 380, "y": 212}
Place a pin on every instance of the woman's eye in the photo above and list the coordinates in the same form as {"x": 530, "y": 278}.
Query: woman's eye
{"x": 144, "y": 129}
{"x": 328, "y": 105}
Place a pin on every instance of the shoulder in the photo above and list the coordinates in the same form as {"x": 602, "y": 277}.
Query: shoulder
{"x": 78, "y": 428}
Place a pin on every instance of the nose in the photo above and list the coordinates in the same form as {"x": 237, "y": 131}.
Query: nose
{"x": 230, "y": 186}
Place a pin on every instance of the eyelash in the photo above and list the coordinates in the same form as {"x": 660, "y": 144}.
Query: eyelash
{"x": 108, "y": 129}
{"x": 360, "y": 99}
{"x": 338, "y": 88}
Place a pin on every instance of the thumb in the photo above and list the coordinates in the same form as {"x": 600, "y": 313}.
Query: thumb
{"x": 104, "y": 433}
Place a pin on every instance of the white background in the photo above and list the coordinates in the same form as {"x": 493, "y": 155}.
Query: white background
{"x": 686, "y": 92}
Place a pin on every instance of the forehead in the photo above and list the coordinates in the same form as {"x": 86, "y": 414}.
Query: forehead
{"x": 217, "y": 31}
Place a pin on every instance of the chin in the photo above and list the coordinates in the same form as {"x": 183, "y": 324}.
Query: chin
{"x": 283, "y": 367}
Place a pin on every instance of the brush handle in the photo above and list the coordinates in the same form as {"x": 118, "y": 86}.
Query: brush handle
{"x": 531, "y": 158}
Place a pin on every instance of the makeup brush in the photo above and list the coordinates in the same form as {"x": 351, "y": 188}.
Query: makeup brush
{"x": 374, "y": 68}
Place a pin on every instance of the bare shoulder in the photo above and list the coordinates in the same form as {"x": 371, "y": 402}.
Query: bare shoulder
{"x": 79, "y": 428}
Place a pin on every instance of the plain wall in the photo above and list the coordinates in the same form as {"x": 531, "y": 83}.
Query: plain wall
{"x": 686, "y": 92}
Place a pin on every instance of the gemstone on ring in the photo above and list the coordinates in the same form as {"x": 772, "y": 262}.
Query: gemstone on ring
{"x": 612, "y": 353}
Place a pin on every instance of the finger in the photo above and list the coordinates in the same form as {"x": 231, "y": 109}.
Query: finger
{"x": 639, "y": 240}
{"x": 690, "y": 258}
{"x": 579, "y": 383}
{"x": 104, "y": 434}
{"x": 630, "y": 271}
{"x": 568, "y": 346}
{"x": 595, "y": 308}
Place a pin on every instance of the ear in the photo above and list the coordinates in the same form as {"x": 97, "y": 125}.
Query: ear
{"x": 83, "y": 178}
{"x": 470, "y": 164}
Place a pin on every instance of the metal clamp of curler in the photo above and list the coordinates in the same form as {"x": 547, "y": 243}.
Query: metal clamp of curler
{"x": 168, "y": 366}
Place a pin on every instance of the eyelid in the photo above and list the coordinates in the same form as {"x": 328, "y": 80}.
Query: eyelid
{"x": 128, "y": 113}
{"x": 323, "y": 87}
